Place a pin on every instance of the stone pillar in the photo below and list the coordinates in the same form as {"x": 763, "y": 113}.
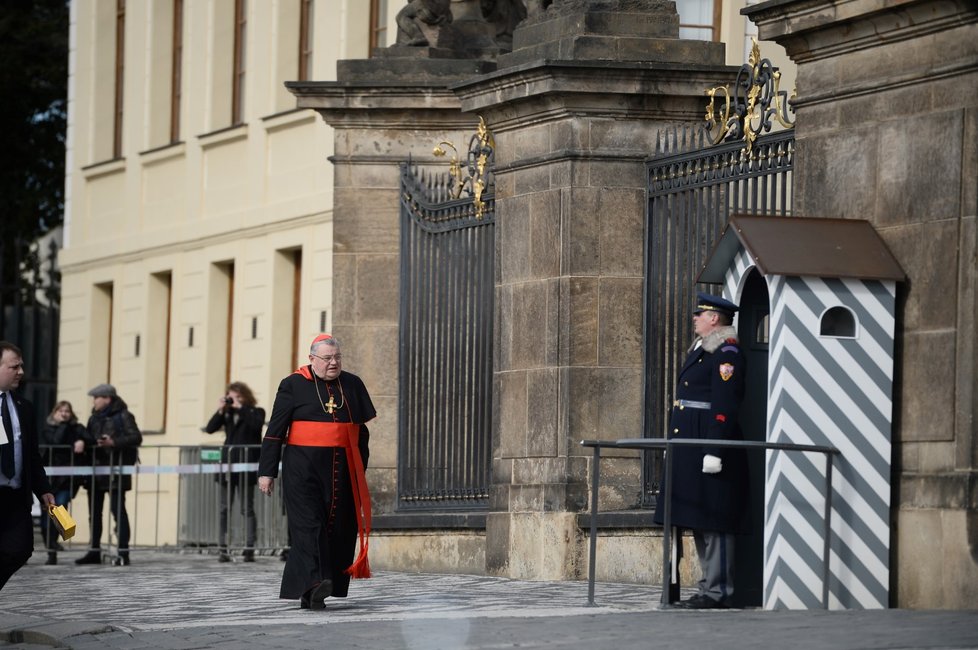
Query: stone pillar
{"x": 382, "y": 111}
{"x": 886, "y": 126}
{"x": 575, "y": 110}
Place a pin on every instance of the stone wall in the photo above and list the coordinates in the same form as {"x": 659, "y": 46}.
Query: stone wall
{"x": 887, "y": 125}
{"x": 576, "y": 109}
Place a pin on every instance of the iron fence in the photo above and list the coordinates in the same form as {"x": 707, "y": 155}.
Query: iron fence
{"x": 175, "y": 501}
{"x": 30, "y": 296}
{"x": 446, "y": 321}
{"x": 663, "y": 447}
{"x": 693, "y": 188}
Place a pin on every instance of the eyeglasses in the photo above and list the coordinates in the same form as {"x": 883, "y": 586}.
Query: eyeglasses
{"x": 328, "y": 358}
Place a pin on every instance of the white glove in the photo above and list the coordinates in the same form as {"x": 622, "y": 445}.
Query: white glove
{"x": 711, "y": 464}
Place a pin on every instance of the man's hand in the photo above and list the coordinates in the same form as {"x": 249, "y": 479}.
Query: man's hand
{"x": 266, "y": 484}
{"x": 711, "y": 464}
{"x": 48, "y": 499}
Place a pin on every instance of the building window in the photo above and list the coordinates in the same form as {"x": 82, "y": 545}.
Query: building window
{"x": 120, "y": 66}
{"x": 100, "y": 334}
{"x": 838, "y": 322}
{"x": 157, "y": 369}
{"x": 305, "y": 39}
{"x": 240, "y": 52}
{"x": 378, "y": 24}
{"x": 176, "y": 71}
{"x": 699, "y": 19}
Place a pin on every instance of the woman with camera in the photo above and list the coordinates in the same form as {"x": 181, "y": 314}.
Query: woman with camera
{"x": 242, "y": 422}
{"x": 63, "y": 444}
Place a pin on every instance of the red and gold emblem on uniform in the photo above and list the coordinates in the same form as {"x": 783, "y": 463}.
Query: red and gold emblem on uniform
{"x": 726, "y": 371}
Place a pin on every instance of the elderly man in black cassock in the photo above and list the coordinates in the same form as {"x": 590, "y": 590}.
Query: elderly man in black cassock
{"x": 318, "y": 431}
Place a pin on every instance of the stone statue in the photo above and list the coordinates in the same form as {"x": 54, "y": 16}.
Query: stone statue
{"x": 416, "y": 22}
{"x": 535, "y": 7}
{"x": 504, "y": 16}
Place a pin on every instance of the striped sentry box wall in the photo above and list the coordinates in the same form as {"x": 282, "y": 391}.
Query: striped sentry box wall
{"x": 827, "y": 390}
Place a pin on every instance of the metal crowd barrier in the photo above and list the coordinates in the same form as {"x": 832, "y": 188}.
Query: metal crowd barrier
{"x": 666, "y": 445}
{"x": 178, "y": 488}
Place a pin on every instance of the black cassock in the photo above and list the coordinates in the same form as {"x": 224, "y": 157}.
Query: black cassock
{"x": 319, "y": 499}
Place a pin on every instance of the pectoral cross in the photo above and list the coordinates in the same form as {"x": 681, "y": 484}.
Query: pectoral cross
{"x": 330, "y": 405}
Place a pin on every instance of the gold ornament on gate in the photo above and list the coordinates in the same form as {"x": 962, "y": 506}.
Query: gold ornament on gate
{"x": 755, "y": 103}
{"x": 473, "y": 177}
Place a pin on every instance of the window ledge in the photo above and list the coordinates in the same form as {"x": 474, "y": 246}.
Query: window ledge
{"x": 164, "y": 153}
{"x": 223, "y": 136}
{"x": 104, "y": 168}
{"x": 288, "y": 119}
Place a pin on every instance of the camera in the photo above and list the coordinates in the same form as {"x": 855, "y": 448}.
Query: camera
{"x": 228, "y": 401}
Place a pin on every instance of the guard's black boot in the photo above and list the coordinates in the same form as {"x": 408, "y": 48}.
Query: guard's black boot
{"x": 92, "y": 557}
{"x": 248, "y": 555}
{"x": 52, "y": 558}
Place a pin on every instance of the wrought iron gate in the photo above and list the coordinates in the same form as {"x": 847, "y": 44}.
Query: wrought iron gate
{"x": 694, "y": 185}
{"x": 446, "y": 325}
{"x": 30, "y": 317}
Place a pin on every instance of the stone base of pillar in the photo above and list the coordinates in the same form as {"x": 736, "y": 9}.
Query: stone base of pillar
{"x": 429, "y": 551}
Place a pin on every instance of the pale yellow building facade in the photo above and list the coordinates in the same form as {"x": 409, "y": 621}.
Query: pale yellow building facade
{"x": 198, "y": 225}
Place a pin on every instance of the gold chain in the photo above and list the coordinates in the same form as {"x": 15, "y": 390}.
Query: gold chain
{"x": 329, "y": 407}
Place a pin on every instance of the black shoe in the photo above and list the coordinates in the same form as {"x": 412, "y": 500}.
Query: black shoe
{"x": 223, "y": 557}
{"x": 248, "y": 556}
{"x": 92, "y": 557}
{"x": 701, "y": 601}
{"x": 284, "y": 556}
{"x": 52, "y": 558}
{"x": 122, "y": 560}
{"x": 316, "y": 596}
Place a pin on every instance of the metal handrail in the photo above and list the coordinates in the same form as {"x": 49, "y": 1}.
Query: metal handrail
{"x": 666, "y": 445}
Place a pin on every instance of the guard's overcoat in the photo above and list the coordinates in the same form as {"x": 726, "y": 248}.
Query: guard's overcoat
{"x": 714, "y": 372}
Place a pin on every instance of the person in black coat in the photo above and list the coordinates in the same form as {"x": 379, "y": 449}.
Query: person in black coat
{"x": 114, "y": 439}
{"x": 242, "y": 422}
{"x": 709, "y": 485}
{"x": 64, "y": 439}
{"x": 21, "y": 467}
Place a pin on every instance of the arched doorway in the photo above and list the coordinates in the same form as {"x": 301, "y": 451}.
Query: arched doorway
{"x": 753, "y": 327}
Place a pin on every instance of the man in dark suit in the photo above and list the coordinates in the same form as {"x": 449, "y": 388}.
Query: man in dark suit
{"x": 21, "y": 468}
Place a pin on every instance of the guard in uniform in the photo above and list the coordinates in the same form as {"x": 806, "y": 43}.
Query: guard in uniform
{"x": 709, "y": 484}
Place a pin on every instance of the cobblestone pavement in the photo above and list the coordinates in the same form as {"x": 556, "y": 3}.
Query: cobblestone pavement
{"x": 171, "y": 600}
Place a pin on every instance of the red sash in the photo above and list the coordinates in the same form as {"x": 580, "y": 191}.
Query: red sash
{"x": 305, "y": 433}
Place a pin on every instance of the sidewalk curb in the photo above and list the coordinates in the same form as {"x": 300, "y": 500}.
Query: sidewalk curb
{"x": 18, "y": 628}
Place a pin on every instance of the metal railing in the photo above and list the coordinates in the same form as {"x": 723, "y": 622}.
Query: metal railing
{"x": 664, "y": 444}
{"x": 179, "y": 489}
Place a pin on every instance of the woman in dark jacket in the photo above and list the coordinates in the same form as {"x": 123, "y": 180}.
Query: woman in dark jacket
{"x": 242, "y": 422}
{"x": 62, "y": 439}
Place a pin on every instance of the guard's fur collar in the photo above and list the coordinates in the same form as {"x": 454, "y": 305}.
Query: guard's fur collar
{"x": 716, "y": 338}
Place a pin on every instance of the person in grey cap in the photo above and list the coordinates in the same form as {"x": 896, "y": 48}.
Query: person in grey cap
{"x": 114, "y": 437}
{"x": 709, "y": 485}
